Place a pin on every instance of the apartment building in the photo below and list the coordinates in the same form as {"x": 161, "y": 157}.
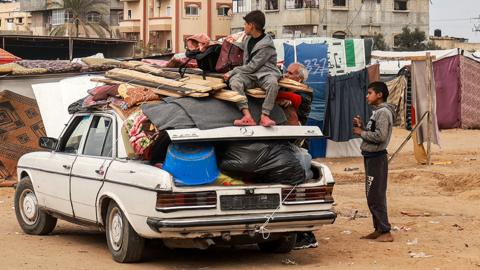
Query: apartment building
{"x": 165, "y": 24}
{"x": 336, "y": 18}
{"x": 45, "y": 15}
{"x": 12, "y": 20}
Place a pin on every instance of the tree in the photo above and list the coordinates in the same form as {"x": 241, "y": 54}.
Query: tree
{"x": 379, "y": 42}
{"x": 87, "y": 15}
{"x": 411, "y": 40}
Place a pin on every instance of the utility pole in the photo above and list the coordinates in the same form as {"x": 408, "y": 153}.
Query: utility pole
{"x": 476, "y": 26}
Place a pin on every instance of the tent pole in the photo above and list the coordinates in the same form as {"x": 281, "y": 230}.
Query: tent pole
{"x": 70, "y": 48}
{"x": 429, "y": 122}
{"x": 419, "y": 123}
{"x": 3, "y": 43}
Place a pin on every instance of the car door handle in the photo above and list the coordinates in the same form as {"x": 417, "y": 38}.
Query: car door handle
{"x": 100, "y": 172}
{"x": 67, "y": 167}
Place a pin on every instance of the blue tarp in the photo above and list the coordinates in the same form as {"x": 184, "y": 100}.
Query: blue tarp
{"x": 315, "y": 59}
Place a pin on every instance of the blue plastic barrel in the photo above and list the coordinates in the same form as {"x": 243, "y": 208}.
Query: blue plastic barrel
{"x": 191, "y": 163}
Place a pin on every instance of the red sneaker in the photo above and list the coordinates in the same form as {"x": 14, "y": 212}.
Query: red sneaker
{"x": 266, "y": 121}
{"x": 245, "y": 121}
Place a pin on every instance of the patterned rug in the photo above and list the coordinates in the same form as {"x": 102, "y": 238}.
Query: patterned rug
{"x": 469, "y": 77}
{"x": 20, "y": 127}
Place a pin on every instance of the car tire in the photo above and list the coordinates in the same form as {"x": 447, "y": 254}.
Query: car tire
{"x": 32, "y": 220}
{"x": 283, "y": 245}
{"x": 124, "y": 243}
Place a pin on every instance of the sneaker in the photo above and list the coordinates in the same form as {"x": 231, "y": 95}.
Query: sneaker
{"x": 305, "y": 240}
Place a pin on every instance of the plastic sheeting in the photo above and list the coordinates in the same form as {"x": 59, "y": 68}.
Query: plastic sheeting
{"x": 54, "y": 98}
{"x": 447, "y": 86}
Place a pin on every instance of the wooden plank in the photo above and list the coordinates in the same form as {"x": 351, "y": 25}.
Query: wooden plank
{"x": 295, "y": 88}
{"x": 213, "y": 85}
{"x": 208, "y": 78}
{"x": 146, "y": 68}
{"x": 180, "y": 90}
{"x": 140, "y": 76}
{"x": 167, "y": 93}
{"x": 228, "y": 95}
{"x": 256, "y": 95}
{"x": 256, "y": 91}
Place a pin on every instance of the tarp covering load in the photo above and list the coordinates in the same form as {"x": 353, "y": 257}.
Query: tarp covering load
{"x": 20, "y": 128}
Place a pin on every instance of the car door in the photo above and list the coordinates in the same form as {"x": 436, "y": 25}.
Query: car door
{"x": 90, "y": 167}
{"x": 53, "y": 173}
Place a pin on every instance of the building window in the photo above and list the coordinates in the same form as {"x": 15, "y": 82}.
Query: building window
{"x": 339, "y": 35}
{"x": 169, "y": 11}
{"x": 94, "y": 17}
{"x": 10, "y": 20}
{"x": 339, "y": 3}
{"x": 59, "y": 16}
{"x": 400, "y": 5}
{"x": 271, "y": 4}
{"x": 296, "y": 4}
{"x": 116, "y": 17}
{"x": 223, "y": 10}
{"x": 240, "y": 6}
{"x": 129, "y": 14}
{"x": 169, "y": 44}
{"x": 20, "y": 20}
{"x": 192, "y": 10}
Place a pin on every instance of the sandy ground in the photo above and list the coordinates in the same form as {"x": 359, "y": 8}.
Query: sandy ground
{"x": 447, "y": 194}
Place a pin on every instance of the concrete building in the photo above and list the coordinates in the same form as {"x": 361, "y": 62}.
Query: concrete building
{"x": 446, "y": 42}
{"x": 45, "y": 15}
{"x": 12, "y": 20}
{"x": 164, "y": 24}
{"x": 336, "y": 18}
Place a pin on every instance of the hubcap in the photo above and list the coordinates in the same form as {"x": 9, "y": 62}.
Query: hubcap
{"x": 29, "y": 207}
{"x": 115, "y": 225}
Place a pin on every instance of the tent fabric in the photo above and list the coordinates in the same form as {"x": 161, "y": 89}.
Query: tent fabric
{"x": 447, "y": 86}
{"x": 20, "y": 128}
{"x": 349, "y": 148}
{"x": 373, "y": 73}
{"x": 6, "y": 57}
{"x": 396, "y": 89}
{"x": 470, "y": 93}
{"x": 355, "y": 54}
{"x": 346, "y": 99}
{"x": 317, "y": 147}
{"x": 420, "y": 100}
{"x": 391, "y": 66}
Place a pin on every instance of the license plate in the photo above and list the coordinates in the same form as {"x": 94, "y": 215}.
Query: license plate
{"x": 249, "y": 202}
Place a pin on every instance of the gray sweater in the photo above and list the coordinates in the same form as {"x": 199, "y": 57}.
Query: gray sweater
{"x": 263, "y": 62}
{"x": 378, "y": 131}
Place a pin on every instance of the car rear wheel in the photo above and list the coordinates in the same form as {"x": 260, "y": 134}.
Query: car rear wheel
{"x": 284, "y": 244}
{"x": 32, "y": 220}
{"x": 122, "y": 240}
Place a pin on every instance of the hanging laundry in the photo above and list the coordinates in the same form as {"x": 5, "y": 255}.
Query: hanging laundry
{"x": 396, "y": 89}
{"x": 346, "y": 99}
{"x": 354, "y": 54}
{"x": 420, "y": 100}
{"x": 470, "y": 76}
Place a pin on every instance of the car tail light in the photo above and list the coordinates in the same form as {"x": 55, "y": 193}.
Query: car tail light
{"x": 174, "y": 201}
{"x": 306, "y": 195}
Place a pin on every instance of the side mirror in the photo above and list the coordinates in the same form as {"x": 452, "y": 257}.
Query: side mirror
{"x": 48, "y": 143}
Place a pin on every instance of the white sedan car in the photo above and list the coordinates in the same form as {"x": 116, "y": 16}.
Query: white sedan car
{"x": 89, "y": 177}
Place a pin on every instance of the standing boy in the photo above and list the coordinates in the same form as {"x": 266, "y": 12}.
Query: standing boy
{"x": 376, "y": 136}
{"x": 259, "y": 69}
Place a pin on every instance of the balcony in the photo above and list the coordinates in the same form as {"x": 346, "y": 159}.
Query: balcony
{"x": 299, "y": 4}
{"x": 130, "y": 26}
{"x": 160, "y": 24}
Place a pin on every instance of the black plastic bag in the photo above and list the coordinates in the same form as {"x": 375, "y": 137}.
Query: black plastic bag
{"x": 261, "y": 162}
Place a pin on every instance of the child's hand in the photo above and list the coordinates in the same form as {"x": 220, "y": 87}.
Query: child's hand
{"x": 226, "y": 77}
{"x": 357, "y": 121}
{"x": 357, "y": 131}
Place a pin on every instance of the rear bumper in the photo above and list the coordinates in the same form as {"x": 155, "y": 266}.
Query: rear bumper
{"x": 305, "y": 218}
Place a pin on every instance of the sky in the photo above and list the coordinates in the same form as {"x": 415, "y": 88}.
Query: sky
{"x": 453, "y": 17}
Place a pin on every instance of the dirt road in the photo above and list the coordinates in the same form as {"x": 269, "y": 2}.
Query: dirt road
{"x": 447, "y": 196}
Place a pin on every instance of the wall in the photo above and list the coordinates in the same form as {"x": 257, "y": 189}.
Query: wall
{"x": 12, "y": 11}
{"x": 360, "y": 18}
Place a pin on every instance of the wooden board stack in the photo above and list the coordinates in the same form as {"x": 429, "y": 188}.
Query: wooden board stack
{"x": 166, "y": 82}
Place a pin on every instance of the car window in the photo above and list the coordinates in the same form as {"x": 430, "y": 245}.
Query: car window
{"x": 99, "y": 139}
{"x": 72, "y": 144}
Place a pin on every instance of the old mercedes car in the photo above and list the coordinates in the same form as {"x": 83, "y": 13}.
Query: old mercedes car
{"x": 89, "y": 176}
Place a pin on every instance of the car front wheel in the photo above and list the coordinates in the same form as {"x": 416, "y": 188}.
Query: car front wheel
{"x": 122, "y": 240}
{"x": 32, "y": 220}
